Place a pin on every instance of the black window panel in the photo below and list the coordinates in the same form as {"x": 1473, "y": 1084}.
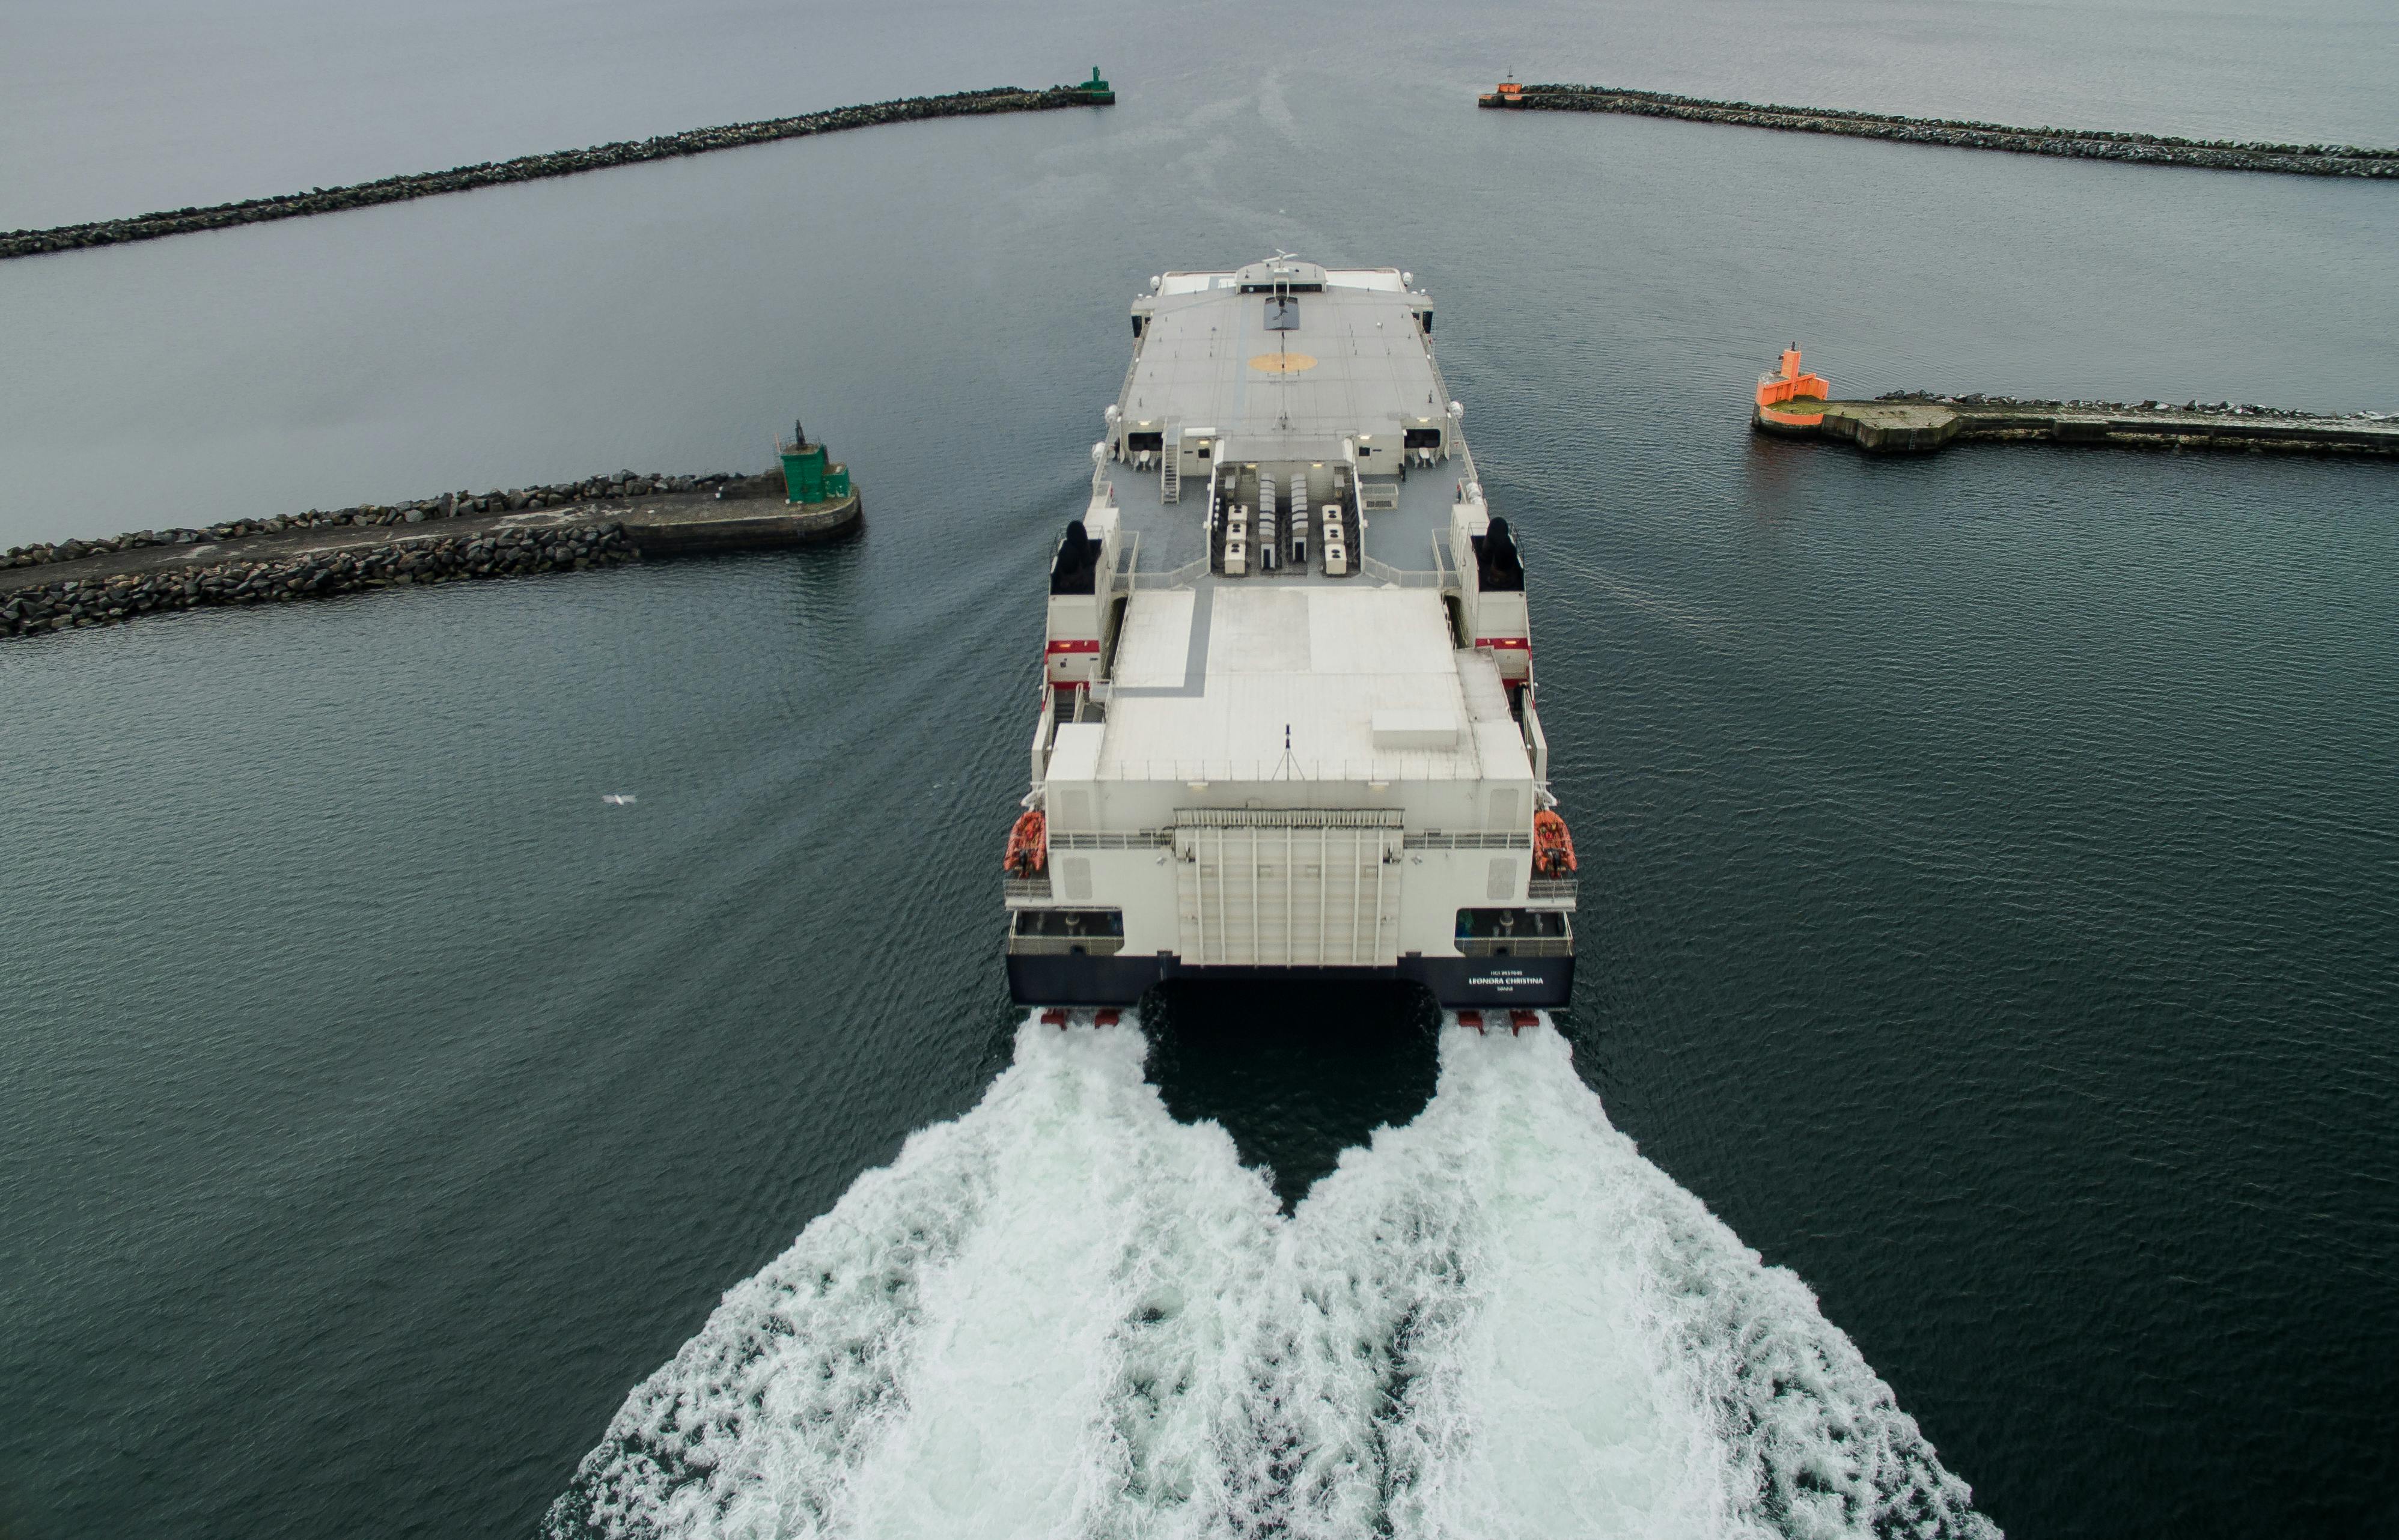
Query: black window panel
{"x": 1151, "y": 441}
{"x": 1282, "y": 313}
{"x": 1423, "y": 438}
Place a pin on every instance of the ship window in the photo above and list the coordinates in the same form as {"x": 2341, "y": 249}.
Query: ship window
{"x": 1282, "y": 313}
{"x": 1151, "y": 441}
{"x": 1422, "y": 438}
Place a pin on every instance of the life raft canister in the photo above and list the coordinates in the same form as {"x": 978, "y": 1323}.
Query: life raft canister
{"x": 1028, "y": 845}
{"x": 1553, "y": 851}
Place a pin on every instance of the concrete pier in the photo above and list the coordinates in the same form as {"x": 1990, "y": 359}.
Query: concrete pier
{"x": 1919, "y": 424}
{"x": 53, "y": 588}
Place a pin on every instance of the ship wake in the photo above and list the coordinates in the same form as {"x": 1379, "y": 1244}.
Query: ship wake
{"x": 1067, "y": 1314}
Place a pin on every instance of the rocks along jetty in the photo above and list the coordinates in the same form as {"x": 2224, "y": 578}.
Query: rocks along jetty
{"x": 1916, "y": 423}
{"x": 326, "y": 200}
{"x": 2321, "y": 160}
{"x": 570, "y": 527}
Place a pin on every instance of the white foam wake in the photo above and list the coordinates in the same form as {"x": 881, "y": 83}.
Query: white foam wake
{"x": 1065, "y": 1314}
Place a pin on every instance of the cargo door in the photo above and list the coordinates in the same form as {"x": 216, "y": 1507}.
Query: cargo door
{"x": 1288, "y": 889}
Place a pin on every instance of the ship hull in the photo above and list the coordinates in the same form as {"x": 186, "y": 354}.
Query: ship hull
{"x": 1455, "y": 981}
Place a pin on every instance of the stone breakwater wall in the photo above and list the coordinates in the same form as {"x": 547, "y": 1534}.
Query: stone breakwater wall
{"x": 498, "y": 553}
{"x": 1915, "y": 422}
{"x": 326, "y": 200}
{"x": 452, "y": 505}
{"x": 2323, "y": 160}
{"x": 2209, "y": 409}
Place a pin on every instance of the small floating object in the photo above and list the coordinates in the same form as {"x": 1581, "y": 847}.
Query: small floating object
{"x": 619, "y": 799}
{"x": 1789, "y": 398}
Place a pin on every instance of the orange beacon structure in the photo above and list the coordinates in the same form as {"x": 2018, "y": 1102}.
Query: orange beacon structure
{"x": 1789, "y": 398}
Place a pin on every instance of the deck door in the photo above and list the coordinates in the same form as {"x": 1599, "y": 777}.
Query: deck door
{"x": 1307, "y": 889}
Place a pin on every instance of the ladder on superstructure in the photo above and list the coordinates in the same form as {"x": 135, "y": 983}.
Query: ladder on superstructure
{"x": 1170, "y": 483}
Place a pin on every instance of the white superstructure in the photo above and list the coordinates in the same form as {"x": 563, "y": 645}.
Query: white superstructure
{"x": 1287, "y": 721}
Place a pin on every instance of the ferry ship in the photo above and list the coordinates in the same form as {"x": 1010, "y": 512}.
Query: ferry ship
{"x": 1287, "y": 723}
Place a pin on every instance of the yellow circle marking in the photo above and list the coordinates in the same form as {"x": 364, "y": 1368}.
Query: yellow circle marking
{"x": 1283, "y": 363}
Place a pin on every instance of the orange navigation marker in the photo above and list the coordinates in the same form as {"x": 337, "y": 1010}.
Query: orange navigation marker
{"x": 1791, "y": 399}
{"x": 1510, "y": 94}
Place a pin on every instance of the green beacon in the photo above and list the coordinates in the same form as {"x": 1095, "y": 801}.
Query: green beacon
{"x": 809, "y": 475}
{"x": 1094, "y": 90}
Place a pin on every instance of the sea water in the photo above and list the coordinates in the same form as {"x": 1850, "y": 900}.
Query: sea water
{"x": 1066, "y": 1313}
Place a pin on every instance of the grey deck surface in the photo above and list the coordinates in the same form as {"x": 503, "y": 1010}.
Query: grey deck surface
{"x": 1171, "y": 535}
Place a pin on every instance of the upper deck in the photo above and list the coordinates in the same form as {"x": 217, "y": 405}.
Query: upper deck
{"x": 1263, "y": 397}
{"x": 1286, "y": 570}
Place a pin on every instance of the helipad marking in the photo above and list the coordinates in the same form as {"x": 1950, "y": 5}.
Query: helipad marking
{"x": 1283, "y": 363}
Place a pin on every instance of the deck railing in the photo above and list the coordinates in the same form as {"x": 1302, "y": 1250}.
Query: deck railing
{"x": 1063, "y": 946}
{"x": 1173, "y": 577}
{"x": 1516, "y": 946}
{"x": 1383, "y": 571}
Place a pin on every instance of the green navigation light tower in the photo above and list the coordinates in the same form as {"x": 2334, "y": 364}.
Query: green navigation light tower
{"x": 809, "y": 475}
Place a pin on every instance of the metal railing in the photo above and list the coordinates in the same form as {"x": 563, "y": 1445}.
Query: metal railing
{"x": 1516, "y": 946}
{"x": 1138, "y": 839}
{"x": 1549, "y": 890}
{"x": 1026, "y": 887}
{"x": 1383, "y": 571}
{"x": 1432, "y": 765}
{"x": 1175, "y": 577}
{"x": 1063, "y": 946}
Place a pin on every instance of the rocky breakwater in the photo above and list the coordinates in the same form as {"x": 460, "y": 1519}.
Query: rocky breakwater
{"x": 73, "y": 603}
{"x": 459, "y": 179}
{"x": 1913, "y": 422}
{"x": 619, "y": 485}
{"x": 2323, "y": 160}
{"x": 50, "y": 587}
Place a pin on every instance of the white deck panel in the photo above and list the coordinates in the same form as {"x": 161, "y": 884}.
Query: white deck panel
{"x": 1157, "y": 638}
{"x": 1322, "y": 661}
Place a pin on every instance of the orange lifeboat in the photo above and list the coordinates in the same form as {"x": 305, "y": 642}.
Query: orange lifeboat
{"x": 1553, "y": 853}
{"x": 1789, "y": 401}
{"x": 1028, "y": 845}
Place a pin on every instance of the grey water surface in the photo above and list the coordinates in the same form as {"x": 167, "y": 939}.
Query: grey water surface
{"x": 1991, "y": 867}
